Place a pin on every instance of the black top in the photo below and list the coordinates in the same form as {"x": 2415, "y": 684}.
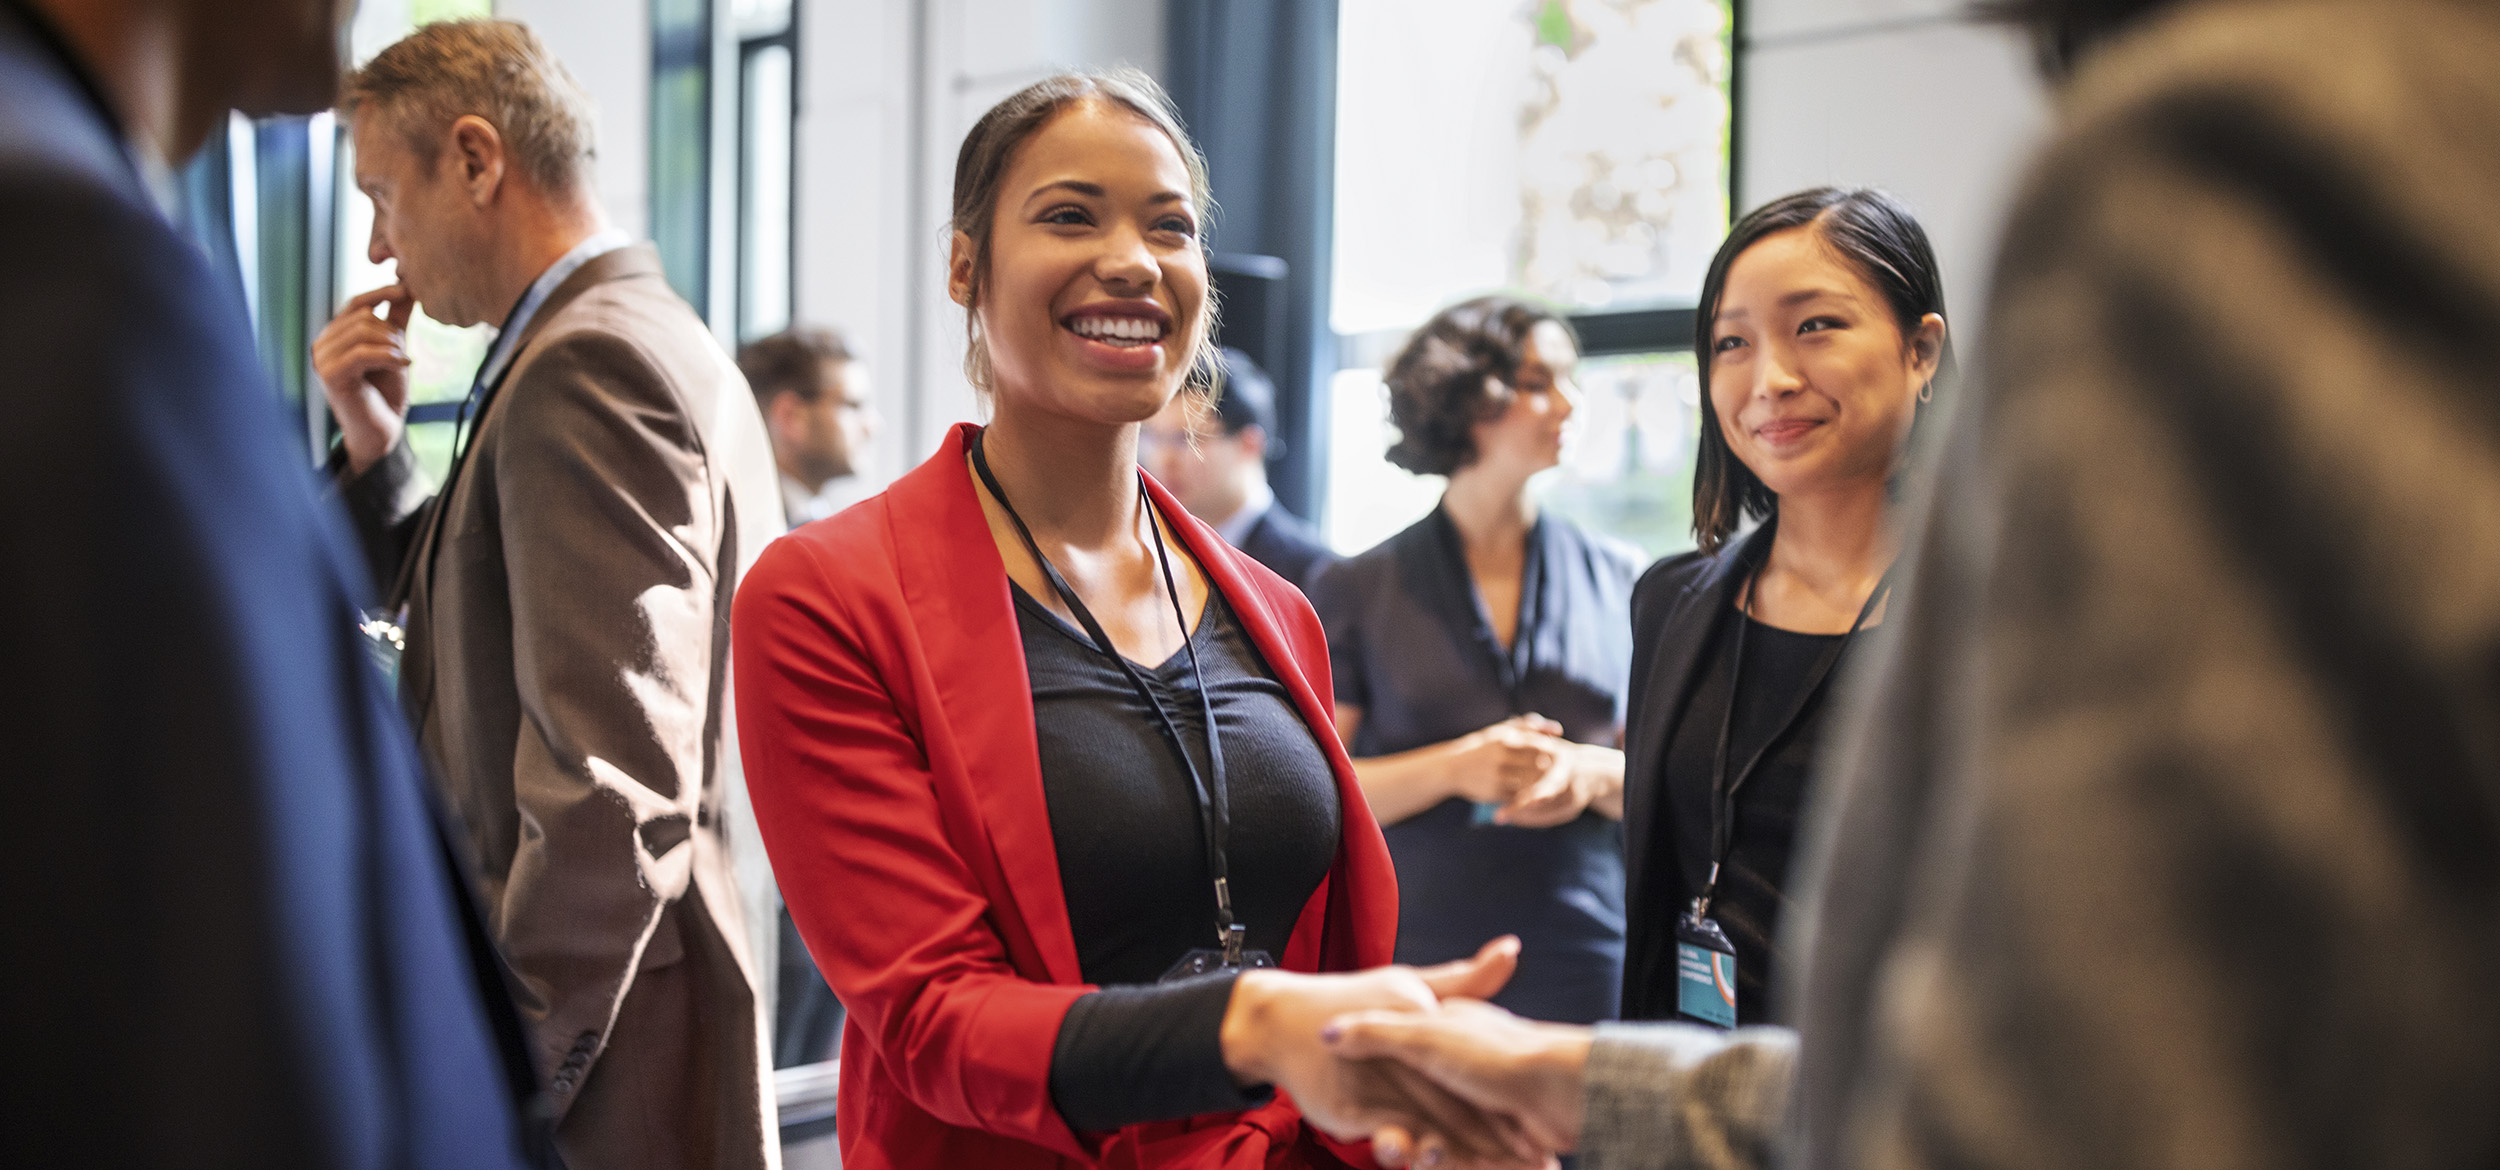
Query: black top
{"x": 1132, "y": 856}
{"x": 1779, "y": 665}
{"x": 1411, "y": 645}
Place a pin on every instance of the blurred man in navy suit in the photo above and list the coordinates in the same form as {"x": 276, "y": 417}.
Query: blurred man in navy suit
{"x": 1219, "y": 471}
{"x": 235, "y": 936}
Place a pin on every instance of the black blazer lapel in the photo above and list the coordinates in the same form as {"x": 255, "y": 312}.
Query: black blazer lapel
{"x": 1673, "y": 622}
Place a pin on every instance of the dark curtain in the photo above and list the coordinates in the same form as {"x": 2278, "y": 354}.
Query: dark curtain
{"x": 1256, "y": 81}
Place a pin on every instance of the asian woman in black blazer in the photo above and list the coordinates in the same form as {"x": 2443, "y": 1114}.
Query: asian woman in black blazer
{"x": 1822, "y": 341}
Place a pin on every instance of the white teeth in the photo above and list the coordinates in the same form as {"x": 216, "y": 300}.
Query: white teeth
{"x": 1117, "y": 329}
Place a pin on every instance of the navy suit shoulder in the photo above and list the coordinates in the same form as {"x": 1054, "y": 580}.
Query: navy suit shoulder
{"x": 1288, "y": 546}
{"x": 248, "y": 947}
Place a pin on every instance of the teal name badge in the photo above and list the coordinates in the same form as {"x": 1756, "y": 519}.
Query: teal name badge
{"x": 1705, "y": 972}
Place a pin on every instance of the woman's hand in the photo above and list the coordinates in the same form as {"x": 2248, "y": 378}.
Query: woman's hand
{"x": 1587, "y": 777}
{"x": 1535, "y": 1073}
{"x": 1494, "y": 764}
{"x": 1272, "y": 1035}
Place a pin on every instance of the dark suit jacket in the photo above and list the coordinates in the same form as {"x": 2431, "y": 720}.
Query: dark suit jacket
{"x": 1677, "y": 604}
{"x": 888, "y": 724}
{"x": 234, "y": 936}
{"x": 567, "y": 671}
{"x": 1288, "y": 546}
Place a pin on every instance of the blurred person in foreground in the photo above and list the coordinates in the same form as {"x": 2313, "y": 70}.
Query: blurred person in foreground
{"x": 815, "y": 398}
{"x": 239, "y": 937}
{"x": 1219, "y": 472}
{"x": 566, "y": 592}
{"x": 1480, "y": 657}
{"x": 2166, "y": 830}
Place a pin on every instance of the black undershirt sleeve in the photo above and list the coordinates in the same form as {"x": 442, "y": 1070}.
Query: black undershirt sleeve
{"x": 1147, "y": 1053}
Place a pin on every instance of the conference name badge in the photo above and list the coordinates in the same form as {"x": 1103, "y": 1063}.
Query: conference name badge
{"x": 1705, "y": 972}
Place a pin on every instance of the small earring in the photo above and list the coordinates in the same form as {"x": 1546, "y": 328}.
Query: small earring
{"x": 1927, "y": 393}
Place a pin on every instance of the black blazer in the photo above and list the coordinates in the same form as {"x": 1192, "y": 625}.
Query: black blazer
{"x": 241, "y": 939}
{"x": 1288, "y": 546}
{"x": 1677, "y": 604}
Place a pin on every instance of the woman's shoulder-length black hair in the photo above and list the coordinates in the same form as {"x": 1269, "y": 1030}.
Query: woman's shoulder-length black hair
{"x": 1874, "y": 232}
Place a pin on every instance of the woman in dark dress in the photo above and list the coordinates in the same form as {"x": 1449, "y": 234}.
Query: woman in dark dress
{"x": 1822, "y": 340}
{"x": 1480, "y": 658}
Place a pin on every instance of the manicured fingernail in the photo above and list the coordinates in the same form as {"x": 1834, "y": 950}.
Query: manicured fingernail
{"x": 1331, "y": 1034}
{"x": 1433, "y": 1156}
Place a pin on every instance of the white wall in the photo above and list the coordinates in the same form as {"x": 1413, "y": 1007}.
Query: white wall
{"x": 891, "y": 86}
{"x": 1907, "y": 95}
{"x": 607, "y": 47}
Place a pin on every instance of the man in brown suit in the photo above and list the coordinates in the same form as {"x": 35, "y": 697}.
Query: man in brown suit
{"x": 565, "y": 596}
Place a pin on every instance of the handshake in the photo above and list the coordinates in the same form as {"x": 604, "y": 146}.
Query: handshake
{"x": 1415, "y": 1060}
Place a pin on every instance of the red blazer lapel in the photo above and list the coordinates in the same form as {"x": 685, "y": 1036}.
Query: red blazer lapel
{"x": 956, "y": 587}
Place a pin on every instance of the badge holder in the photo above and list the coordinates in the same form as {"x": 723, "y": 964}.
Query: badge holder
{"x": 1705, "y": 970}
{"x": 1232, "y": 956}
{"x": 386, "y": 640}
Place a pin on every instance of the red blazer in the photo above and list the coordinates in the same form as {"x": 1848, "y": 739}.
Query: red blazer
{"x": 887, "y": 728}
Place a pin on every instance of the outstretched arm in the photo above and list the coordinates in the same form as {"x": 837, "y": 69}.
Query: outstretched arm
{"x": 1626, "y": 1096}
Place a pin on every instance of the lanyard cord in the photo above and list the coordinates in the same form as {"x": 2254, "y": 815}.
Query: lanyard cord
{"x": 1723, "y": 793}
{"x": 1214, "y": 818}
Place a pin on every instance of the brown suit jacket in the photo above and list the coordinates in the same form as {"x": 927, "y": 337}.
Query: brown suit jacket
{"x": 566, "y": 671}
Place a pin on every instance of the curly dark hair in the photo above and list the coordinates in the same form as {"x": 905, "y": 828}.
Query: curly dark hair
{"x": 1456, "y": 372}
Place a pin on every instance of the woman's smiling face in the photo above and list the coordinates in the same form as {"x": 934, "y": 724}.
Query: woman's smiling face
{"x": 1813, "y": 381}
{"x": 1094, "y": 299}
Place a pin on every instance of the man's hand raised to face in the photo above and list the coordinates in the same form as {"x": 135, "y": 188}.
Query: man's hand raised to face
{"x": 363, "y": 363}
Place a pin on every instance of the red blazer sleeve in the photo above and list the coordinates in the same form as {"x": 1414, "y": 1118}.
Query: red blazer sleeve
{"x": 846, "y": 801}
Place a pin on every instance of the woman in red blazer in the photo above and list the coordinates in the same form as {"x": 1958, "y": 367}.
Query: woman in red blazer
{"x": 887, "y": 707}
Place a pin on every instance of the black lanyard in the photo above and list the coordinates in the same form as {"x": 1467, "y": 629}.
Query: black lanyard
{"x": 1723, "y": 792}
{"x": 1213, "y": 816}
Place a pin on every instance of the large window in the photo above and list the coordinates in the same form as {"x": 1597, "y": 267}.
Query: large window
{"x": 724, "y": 114}
{"x": 767, "y": 33}
{"x": 681, "y": 145}
{"x": 1571, "y": 150}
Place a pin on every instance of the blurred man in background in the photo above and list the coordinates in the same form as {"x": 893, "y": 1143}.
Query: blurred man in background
{"x": 1219, "y": 471}
{"x": 814, "y": 394}
{"x": 237, "y": 936}
{"x": 566, "y": 594}
{"x": 815, "y": 397}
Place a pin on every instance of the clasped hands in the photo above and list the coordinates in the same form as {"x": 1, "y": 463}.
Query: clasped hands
{"x": 1413, "y": 1059}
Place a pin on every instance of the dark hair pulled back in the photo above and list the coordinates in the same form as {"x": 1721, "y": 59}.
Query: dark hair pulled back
{"x": 989, "y": 148}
